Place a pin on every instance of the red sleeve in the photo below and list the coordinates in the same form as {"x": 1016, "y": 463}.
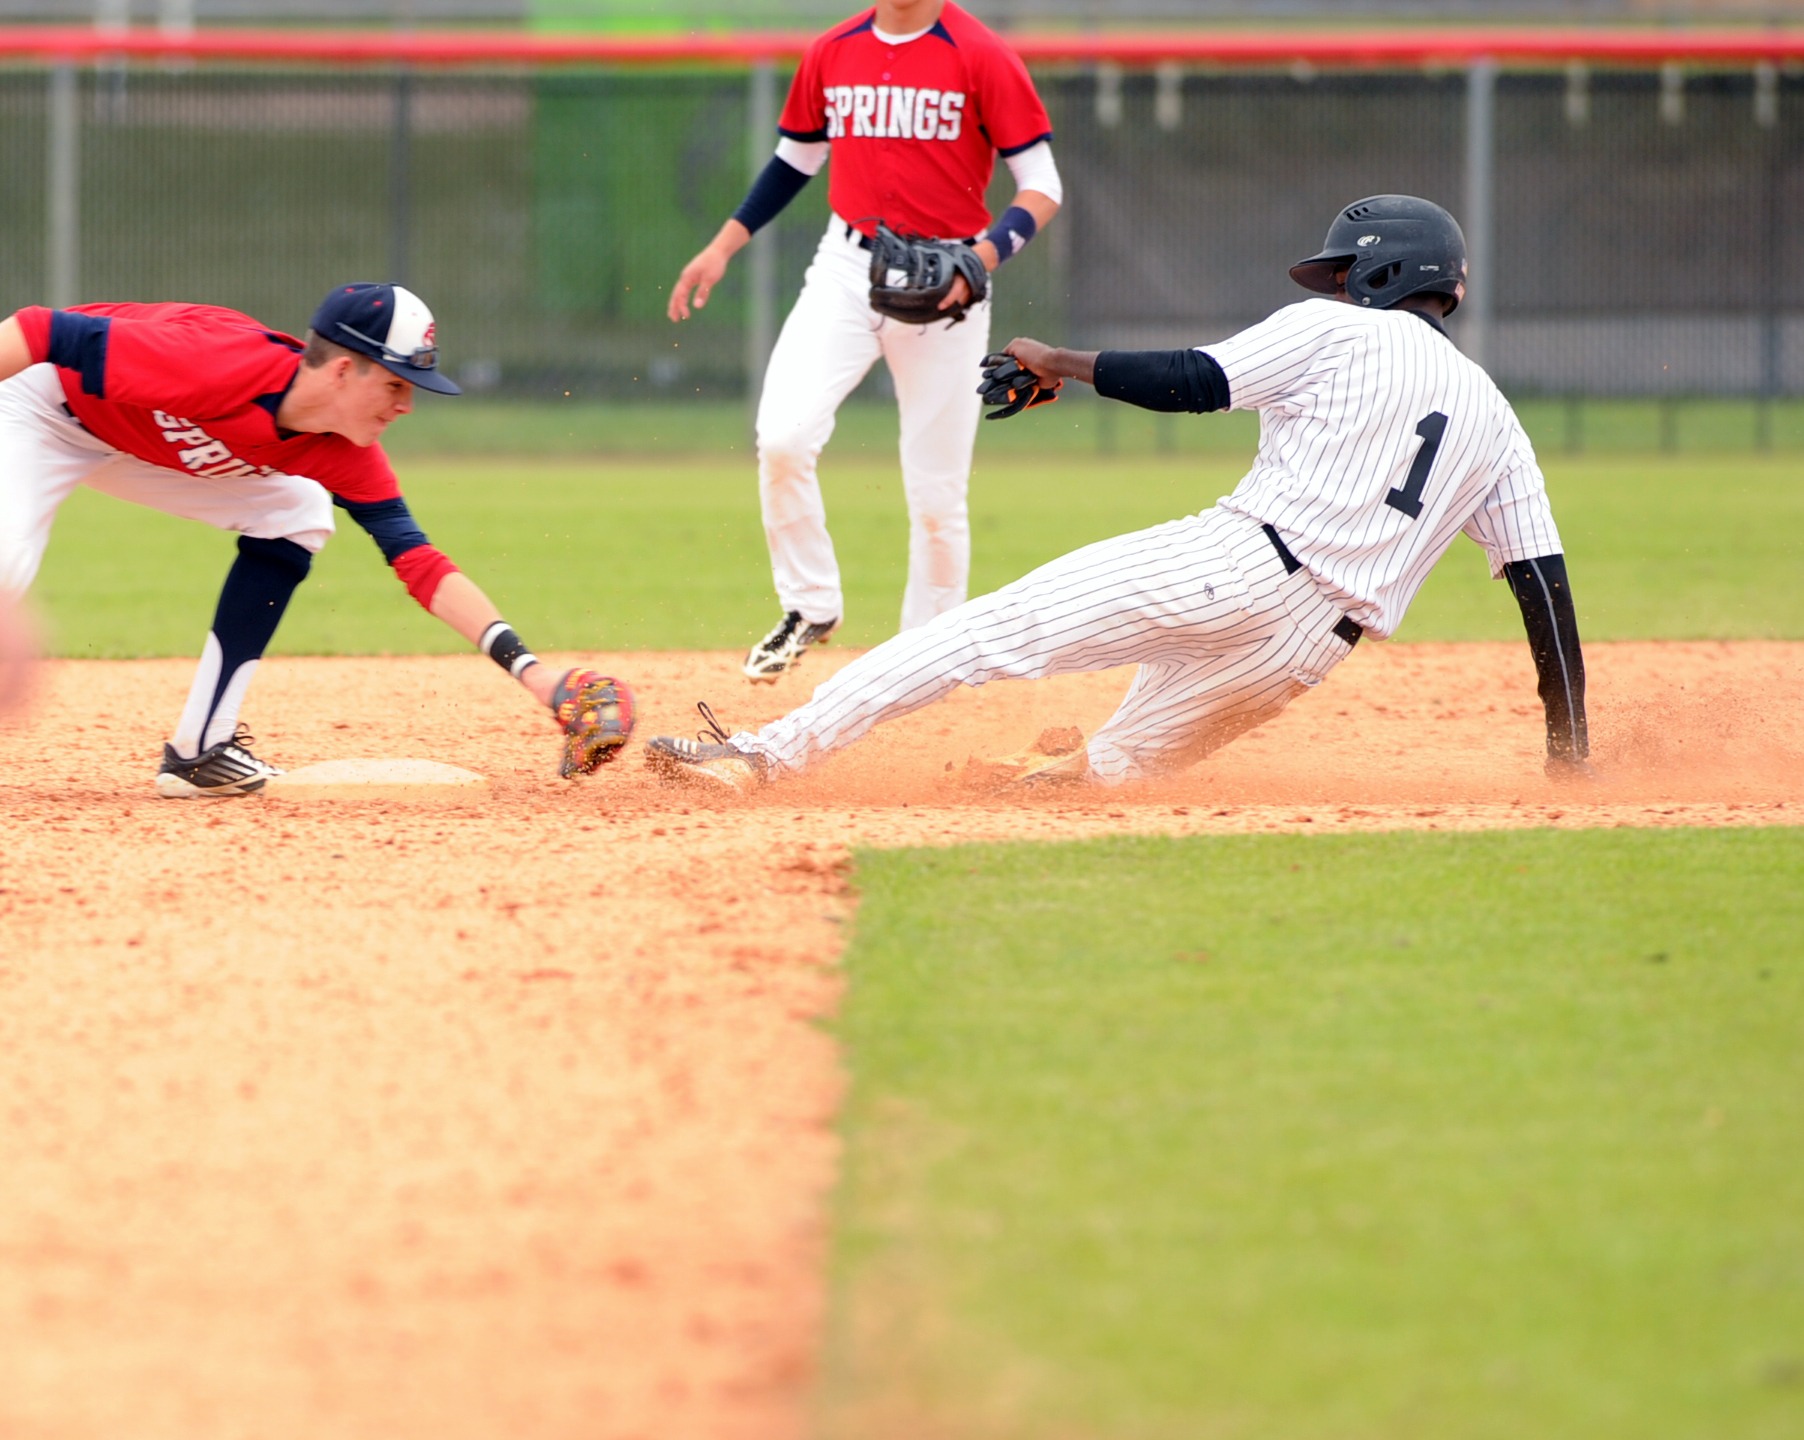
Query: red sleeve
{"x": 422, "y": 569}
{"x": 804, "y": 114}
{"x": 34, "y": 320}
{"x": 1014, "y": 116}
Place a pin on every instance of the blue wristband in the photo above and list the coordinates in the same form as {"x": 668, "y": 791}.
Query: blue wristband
{"x": 1011, "y": 233}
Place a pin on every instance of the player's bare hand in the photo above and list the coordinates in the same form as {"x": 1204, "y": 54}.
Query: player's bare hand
{"x": 1036, "y": 356}
{"x": 959, "y": 294}
{"x": 698, "y": 279}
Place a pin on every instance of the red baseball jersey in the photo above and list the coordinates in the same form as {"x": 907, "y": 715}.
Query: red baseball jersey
{"x": 195, "y": 388}
{"x": 915, "y": 128}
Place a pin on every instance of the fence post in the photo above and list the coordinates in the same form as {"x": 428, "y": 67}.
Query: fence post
{"x": 400, "y": 179}
{"x": 761, "y": 263}
{"x": 62, "y": 210}
{"x": 1480, "y": 304}
{"x": 1774, "y": 223}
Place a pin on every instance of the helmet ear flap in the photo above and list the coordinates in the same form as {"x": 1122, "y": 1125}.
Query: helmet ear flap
{"x": 1383, "y": 277}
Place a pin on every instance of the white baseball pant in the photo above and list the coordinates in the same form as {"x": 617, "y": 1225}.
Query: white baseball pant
{"x": 45, "y": 453}
{"x": 827, "y": 345}
{"x": 1224, "y": 637}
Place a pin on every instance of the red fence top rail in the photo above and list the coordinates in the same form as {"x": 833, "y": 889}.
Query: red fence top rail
{"x": 1381, "y": 49}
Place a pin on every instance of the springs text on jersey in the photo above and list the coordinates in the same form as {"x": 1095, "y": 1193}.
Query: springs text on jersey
{"x": 893, "y": 112}
{"x": 204, "y": 455}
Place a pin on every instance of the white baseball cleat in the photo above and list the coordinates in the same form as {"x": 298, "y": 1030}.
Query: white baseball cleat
{"x": 785, "y": 645}
{"x": 709, "y": 759}
{"x": 1057, "y": 758}
{"x": 704, "y": 762}
{"x": 1046, "y": 772}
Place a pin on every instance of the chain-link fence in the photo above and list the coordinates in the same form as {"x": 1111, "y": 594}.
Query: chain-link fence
{"x": 1643, "y": 238}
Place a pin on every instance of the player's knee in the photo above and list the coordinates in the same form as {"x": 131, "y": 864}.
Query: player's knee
{"x": 291, "y": 557}
{"x": 312, "y": 541}
{"x": 784, "y": 453}
{"x": 940, "y": 500}
{"x": 947, "y": 528}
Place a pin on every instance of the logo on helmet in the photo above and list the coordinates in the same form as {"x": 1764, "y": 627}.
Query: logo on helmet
{"x": 1366, "y": 240}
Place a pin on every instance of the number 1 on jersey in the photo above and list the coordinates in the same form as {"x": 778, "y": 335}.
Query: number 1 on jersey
{"x": 1409, "y": 499}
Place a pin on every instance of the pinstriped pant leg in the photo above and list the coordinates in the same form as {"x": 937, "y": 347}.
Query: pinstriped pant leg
{"x": 1177, "y": 711}
{"x": 1136, "y": 598}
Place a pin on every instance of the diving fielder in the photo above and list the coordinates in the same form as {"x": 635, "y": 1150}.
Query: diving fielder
{"x": 1379, "y": 443}
{"x": 205, "y": 413}
{"x": 913, "y": 99}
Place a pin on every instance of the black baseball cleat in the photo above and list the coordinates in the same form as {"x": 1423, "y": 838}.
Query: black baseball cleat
{"x": 709, "y": 759}
{"x": 784, "y": 646}
{"x": 225, "y": 769}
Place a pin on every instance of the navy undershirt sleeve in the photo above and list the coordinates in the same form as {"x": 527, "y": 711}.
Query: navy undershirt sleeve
{"x": 1186, "y": 380}
{"x": 1545, "y": 597}
{"x": 78, "y": 342}
{"x": 389, "y": 523}
{"x": 777, "y": 184}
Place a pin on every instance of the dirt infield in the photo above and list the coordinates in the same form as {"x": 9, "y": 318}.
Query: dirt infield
{"x": 508, "y": 1113}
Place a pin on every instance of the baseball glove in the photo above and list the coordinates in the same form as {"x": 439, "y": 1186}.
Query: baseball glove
{"x": 910, "y": 276}
{"x": 1012, "y": 386}
{"x": 595, "y": 712}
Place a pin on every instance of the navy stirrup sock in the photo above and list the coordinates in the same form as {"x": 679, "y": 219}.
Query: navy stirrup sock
{"x": 256, "y": 592}
{"x": 251, "y": 603}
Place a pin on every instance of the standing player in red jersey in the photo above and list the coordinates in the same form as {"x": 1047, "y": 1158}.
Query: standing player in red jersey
{"x": 914, "y": 99}
{"x": 205, "y": 413}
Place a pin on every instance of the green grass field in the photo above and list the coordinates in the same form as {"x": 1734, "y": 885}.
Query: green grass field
{"x": 1467, "y": 1137}
{"x": 645, "y": 553}
{"x": 1081, "y": 425}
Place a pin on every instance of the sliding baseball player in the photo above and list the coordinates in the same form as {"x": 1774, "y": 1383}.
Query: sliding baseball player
{"x": 1379, "y": 444}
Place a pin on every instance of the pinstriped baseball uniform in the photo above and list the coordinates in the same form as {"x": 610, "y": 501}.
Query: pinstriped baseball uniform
{"x": 1379, "y": 443}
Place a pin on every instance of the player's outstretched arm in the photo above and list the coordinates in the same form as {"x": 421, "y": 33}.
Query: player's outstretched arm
{"x": 706, "y": 270}
{"x": 461, "y": 604}
{"x": 594, "y": 711}
{"x": 1544, "y": 595}
{"x": 445, "y": 592}
{"x": 1172, "y": 380}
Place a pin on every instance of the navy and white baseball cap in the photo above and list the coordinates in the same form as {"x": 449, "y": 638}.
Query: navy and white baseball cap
{"x": 389, "y": 324}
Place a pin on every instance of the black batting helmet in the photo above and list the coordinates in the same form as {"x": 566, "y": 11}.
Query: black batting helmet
{"x": 1390, "y": 246}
